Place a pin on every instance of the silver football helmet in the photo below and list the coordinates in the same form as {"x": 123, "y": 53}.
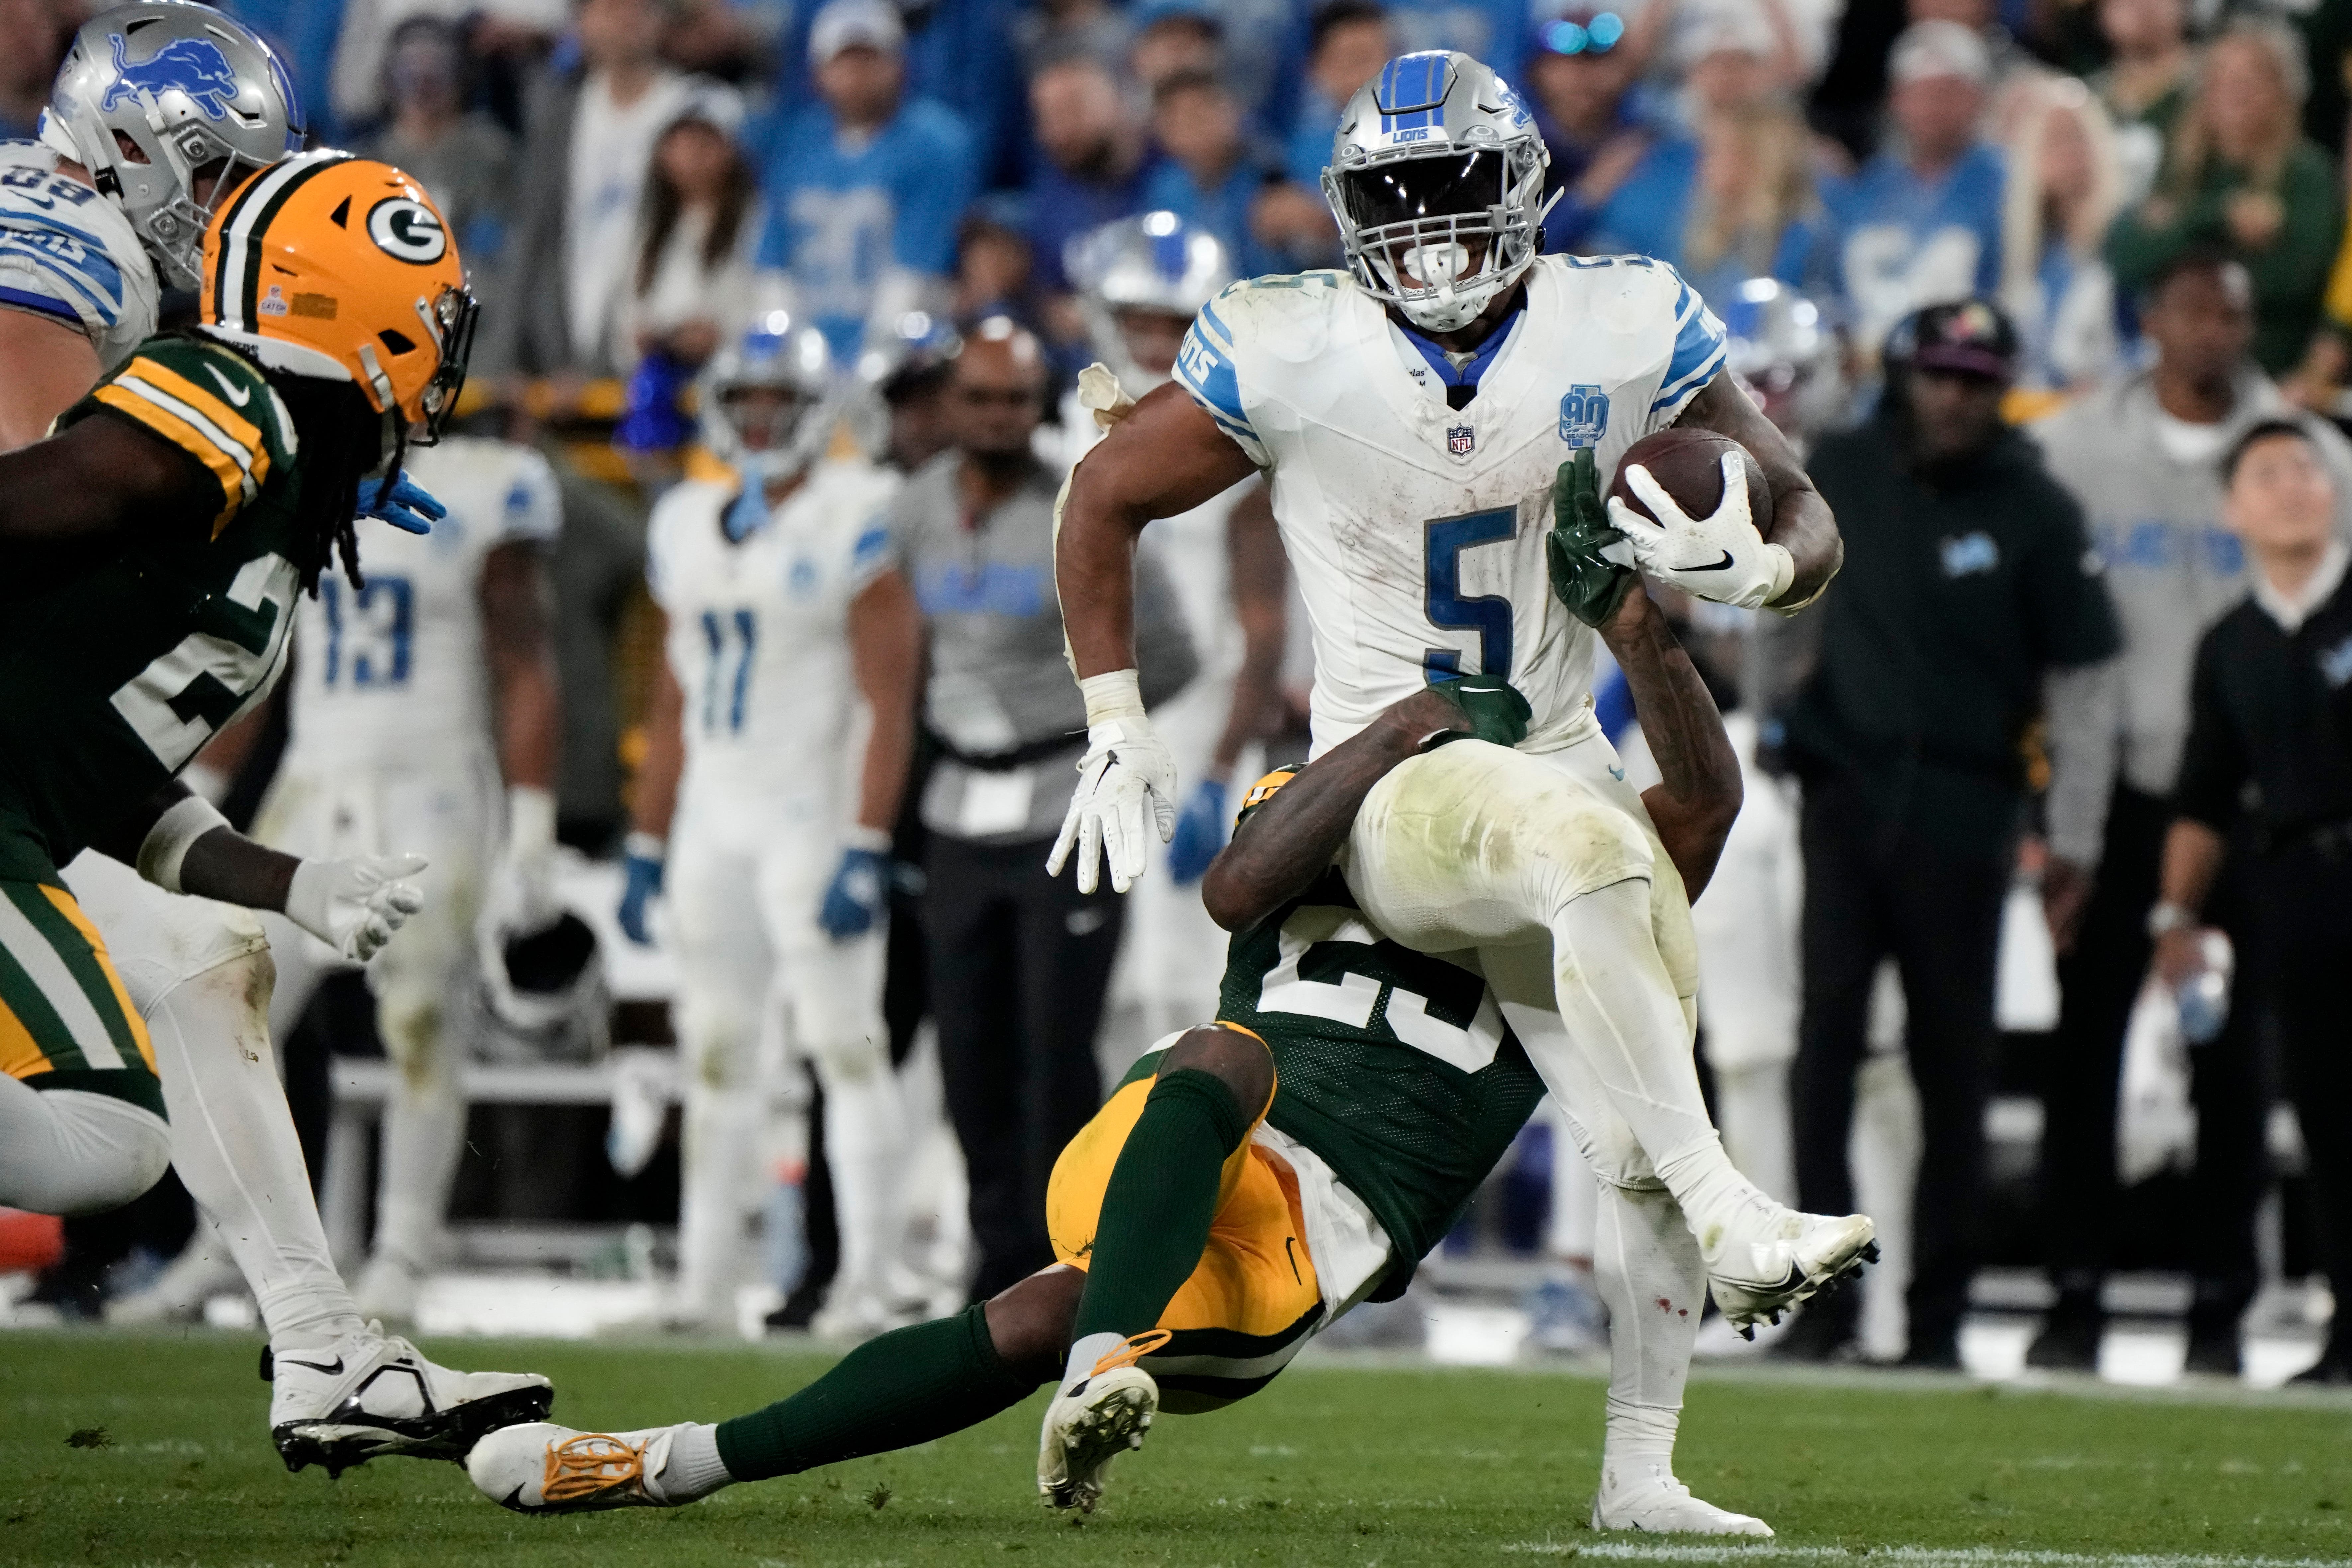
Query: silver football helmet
{"x": 1784, "y": 349}
{"x": 1436, "y": 177}
{"x": 1156, "y": 262}
{"x": 155, "y": 96}
{"x": 772, "y": 441}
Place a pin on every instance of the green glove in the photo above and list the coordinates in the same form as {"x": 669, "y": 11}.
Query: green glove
{"x": 1496, "y": 709}
{"x": 1591, "y": 586}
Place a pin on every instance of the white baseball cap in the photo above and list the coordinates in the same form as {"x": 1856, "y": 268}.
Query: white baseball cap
{"x": 1938, "y": 48}
{"x": 850, "y": 24}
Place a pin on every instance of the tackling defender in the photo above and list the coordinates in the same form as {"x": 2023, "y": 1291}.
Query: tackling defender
{"x": 142, "y": 147}
{"x": 1252, "y": 1180}
{"x": 779, "y": 607}
{"x": 1412, "y": 416}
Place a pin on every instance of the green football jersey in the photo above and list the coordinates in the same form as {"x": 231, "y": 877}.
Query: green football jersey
{"x": 118, "y": 663}
{"x": 1394, "y": 1065}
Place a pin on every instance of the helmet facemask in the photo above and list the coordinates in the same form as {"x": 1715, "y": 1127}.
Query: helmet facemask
{"x": 1440, "y": 234}
{"x": 451, "y": 318}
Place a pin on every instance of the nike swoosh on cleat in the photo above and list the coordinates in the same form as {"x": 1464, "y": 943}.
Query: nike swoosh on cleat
{"x": 1722, "y": 565}
{"x": 236, "y": 394}
{"x": 331, "y": 1368}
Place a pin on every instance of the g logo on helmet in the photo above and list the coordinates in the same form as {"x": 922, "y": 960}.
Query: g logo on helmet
{"x": 407, "y": 230}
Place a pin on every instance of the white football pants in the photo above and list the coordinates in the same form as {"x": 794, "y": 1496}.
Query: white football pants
{"x": 200, "y": 973}
{"x": 762, "y": 989}
{"x": 68, "y": 1152}
{"x": 420, "y": 981}
{"x": 1547, "y": 870}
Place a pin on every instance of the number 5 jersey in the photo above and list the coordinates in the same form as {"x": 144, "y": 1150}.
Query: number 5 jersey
{"x": 1416, "y": 527}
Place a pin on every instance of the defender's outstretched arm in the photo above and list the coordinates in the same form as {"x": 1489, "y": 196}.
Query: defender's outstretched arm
{"x": 1801, "y": 523}
{"x": 99, "y": 477}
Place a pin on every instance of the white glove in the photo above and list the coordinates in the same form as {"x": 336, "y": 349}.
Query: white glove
{"x": 1126, "y": 772}
{"x": 1100, "y": 395}
{"x": 1721, "y": 557}
{"x": 354, "y": 906}
{"x": 521, "y": 896}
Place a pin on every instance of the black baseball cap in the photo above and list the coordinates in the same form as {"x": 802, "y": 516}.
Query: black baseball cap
{"x": 1964, "y": 337}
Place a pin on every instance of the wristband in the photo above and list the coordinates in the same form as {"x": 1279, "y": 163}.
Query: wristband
{"x": 530, "y": 818}
{"x": 310, "y": 898}
{"x": 2167, "y": 917}
{"x": 165, "y": 847}
{"x": 873, "y": 840}
{"x": 1784, "y": 570}
{"x": 1114, "y": 694}
{"x": 646, "y": 846}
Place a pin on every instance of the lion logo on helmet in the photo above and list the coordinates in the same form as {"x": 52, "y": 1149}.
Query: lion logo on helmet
{"x": 193, "y": 65}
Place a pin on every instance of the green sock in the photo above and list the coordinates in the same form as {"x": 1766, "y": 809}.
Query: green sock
{"x": 1156, "y": 1210}
{"x": 905, "y": 1388}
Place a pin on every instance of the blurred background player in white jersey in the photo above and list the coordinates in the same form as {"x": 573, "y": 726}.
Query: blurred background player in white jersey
{"x": 412, "y": 699}
{"x": 159, "y": 112}
{"x": 782, "y": 609}
{"x": 1141, "y": 281}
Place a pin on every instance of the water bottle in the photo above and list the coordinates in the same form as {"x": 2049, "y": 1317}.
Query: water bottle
{"x": 2203, "y": 998}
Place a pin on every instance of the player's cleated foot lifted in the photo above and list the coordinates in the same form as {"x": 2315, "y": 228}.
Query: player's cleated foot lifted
{"x": 1647, "y": 1497}
{"x": 1786, "y": 1258}
{"x": 1095, "y": 1421}
{"x": 545, "y": 1469}
{"x": 369, "y": 1395}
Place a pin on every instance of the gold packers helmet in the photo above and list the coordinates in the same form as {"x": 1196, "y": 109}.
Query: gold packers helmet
{"x": 341, "y": 267}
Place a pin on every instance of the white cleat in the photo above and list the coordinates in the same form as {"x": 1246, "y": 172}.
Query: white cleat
{"x": 1790, "y": 1258}
{"x": 1655, "y": 1503}
{"x": 369, "y": 1395}
{"x": 1093, "y": 1423}
{"x": 542, "y": 1468}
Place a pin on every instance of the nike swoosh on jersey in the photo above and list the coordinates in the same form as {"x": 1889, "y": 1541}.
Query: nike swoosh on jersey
{"x": 1722, "y": 565}
{"x": 330, "y": 1368}
{"x": 241, "y": 396}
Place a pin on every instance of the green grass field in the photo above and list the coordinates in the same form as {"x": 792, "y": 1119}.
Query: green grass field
{"x": 151, "y": 1450}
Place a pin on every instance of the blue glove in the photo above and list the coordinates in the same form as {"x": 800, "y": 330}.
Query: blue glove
{"x": 644, "y": 879}
{"x": 402, "y": 503}
{"x": 856, "y": 895}
{"x": 1200, "y": 833}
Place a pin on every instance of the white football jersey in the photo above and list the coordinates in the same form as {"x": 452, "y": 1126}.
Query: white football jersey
{"x": 392, "y": 675}
{"x": 759, "y": 638}
{"x": 68, "y": 253}
{"x": 1416, "y": 531}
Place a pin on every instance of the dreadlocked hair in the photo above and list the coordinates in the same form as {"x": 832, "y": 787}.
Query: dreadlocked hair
{"x": 340, "y": 437}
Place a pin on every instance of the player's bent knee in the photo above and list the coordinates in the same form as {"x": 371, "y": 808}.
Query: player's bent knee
{"x": 851, "y": 1060}
{"x": 1236, "y": 1057}
{"x": 1029, "y": 1321}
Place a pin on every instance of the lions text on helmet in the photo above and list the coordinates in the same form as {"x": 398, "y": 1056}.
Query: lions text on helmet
{"x": 171, "y": 106}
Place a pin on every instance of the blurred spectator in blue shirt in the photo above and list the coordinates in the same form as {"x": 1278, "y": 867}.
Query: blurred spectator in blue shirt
{"x": 2064, "y": 187}
{"x": 865, "y": 188}
{"x": 1055, "y": 30}
{"x": 1090, "y": 164}
{"x": 1922, "y": 226}
{"x": 1208, "y": 177}
{"x": 1580, "y": 81}
{"x": 962, "y": 55}
{"x": 1252, "y": 46}
{"x": 1348, "y": 42}
{"x": 1734, "y": 203}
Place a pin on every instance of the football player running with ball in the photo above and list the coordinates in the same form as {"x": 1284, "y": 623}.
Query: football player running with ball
{"x": 1412, "y": 417}
{"x": 1252, "y": 1180}
{"x": 155, "y": 546}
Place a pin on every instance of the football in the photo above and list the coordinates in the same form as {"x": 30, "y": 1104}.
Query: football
{"x": 1689, "y": 465}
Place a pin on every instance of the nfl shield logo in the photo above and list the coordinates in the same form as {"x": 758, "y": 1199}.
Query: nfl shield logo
{"x": 1583, "y": 415}
{"x": 1460, "y": 439}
